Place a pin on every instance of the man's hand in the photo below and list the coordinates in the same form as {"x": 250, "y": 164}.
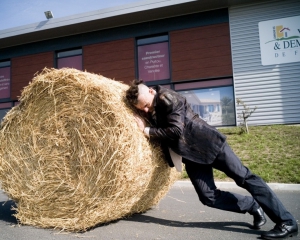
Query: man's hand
{"x": 140, "y": 122}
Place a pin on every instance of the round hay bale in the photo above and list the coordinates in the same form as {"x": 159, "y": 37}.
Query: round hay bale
{"x": 72, "y": 157}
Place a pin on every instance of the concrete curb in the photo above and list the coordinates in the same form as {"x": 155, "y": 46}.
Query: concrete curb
{"x": 232, "y": 185}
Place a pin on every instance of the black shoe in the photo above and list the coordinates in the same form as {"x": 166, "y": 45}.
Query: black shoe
{"x": 259, "y": 218}
{"x": 281, "y": 231}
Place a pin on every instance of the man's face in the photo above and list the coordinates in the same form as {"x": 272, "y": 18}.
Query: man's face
{"x": 146, "y": 100}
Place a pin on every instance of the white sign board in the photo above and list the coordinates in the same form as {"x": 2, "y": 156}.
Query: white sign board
{"x": 280, "y": 40}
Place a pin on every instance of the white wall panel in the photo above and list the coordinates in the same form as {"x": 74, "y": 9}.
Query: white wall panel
{"x": 274, "y": 89}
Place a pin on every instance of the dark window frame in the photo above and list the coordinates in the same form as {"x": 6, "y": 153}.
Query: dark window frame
{"x": 207, "y": 80}
{"x": 149, "y": 40}
{"x": 214, "y": 87}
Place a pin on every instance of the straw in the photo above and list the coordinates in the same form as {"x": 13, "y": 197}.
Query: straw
{"x": 72, "y": 157}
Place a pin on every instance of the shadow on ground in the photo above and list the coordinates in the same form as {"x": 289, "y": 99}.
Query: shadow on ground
{"x": 6, "y": 211}
{"x": 223, "y": 226}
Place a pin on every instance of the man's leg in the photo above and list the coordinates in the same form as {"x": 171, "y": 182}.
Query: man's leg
{"x": 202, "y": 178}
{"x": 231, "y": 165}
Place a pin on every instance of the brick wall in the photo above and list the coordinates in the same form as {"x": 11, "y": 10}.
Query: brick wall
{"x": 196, "y": 53}
{"x": 23, "y": 70}
{"x": 201, "y": 52}
{"x": 113, "y": 60}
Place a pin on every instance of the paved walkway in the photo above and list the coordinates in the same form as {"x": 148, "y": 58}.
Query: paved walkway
{"x": 232, "y": 185}
{"x": 178, "y": 216}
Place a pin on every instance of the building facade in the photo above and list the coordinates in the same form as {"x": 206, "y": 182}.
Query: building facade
{"x": 211, "y": 52}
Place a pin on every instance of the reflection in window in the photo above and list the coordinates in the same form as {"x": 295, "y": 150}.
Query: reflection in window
{"x": 70, "y": 59}
{"x": 153, "y": 58}
{"x": 4, "y": 80}
{"x": 4, "y": 108}
{"x": 214, "y": 105}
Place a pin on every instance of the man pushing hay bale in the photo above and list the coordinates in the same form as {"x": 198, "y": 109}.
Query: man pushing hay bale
{"x": 72, "y": 157}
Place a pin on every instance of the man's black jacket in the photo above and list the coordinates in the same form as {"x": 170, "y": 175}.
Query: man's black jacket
{"x": 182, "y": 130}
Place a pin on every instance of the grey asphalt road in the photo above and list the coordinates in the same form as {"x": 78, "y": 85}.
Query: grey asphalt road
{"x": 178, "y": 216}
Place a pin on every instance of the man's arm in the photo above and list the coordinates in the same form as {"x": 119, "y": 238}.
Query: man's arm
{"x": 174, "y": 107}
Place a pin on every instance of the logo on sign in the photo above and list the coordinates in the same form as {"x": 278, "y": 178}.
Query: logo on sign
{"x": 282, "y": 34}
{"x": 280, "y": 40}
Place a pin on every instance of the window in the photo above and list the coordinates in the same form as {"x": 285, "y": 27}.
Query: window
{"x": 4, "y": 108}
{"x": 4, "y": 81}
{"x": 5, "y": 102}
{"x": 153, "y": 59}
{"x": 212, "y": 100}
{"x": 70, "y": 59}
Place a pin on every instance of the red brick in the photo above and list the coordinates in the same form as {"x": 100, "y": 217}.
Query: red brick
{"x": 23, "y": 70}
{"x": 113, "y": 60}
{"x": 201, "y": 52}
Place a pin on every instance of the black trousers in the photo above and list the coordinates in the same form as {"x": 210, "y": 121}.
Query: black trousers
{"x": 226, "y": 161}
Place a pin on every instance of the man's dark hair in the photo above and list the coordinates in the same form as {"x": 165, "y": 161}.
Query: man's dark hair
{"x": 132, "y": 93}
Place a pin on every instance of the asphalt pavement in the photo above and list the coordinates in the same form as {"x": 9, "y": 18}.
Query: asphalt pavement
{"x": 178, "y": 216}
